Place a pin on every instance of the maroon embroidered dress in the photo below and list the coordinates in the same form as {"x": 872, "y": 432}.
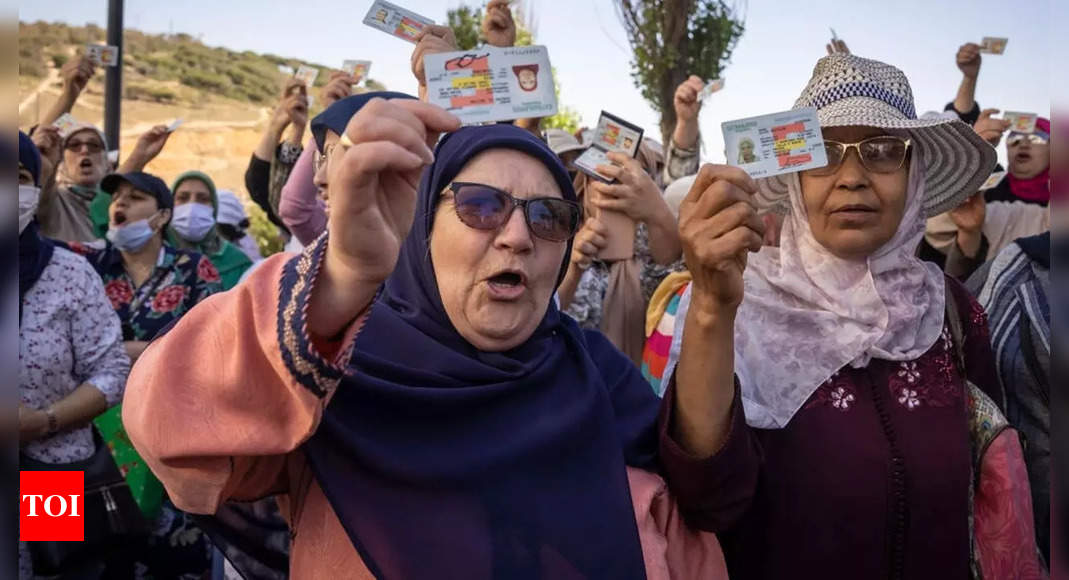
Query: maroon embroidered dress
{"x": 870, "y": 479}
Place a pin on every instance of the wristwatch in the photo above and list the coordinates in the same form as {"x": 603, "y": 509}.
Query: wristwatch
{"x": 53, "y": 423}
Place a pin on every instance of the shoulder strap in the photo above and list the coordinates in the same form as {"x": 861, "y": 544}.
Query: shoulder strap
{"x": 957, "y": 334}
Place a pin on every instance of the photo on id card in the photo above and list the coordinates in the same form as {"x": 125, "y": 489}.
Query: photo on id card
{"x": 611, "y": 134}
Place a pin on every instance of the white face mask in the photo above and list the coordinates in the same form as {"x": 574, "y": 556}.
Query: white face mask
{"x": 131, "y": 237}
{"x": 29, "y": 196}
{"x": 193, "y": 221}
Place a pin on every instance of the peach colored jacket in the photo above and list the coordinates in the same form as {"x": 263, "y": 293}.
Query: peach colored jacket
{"x": 220, "y": 405}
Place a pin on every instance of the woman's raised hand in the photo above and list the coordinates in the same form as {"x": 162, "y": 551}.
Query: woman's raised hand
{"x": 718, "y": 225}
{"x": 373, "y": 183}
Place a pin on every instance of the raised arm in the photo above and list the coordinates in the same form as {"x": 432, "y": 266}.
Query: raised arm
{"x": 684, "y": 147}
{"x": 149, "y": 145}
{"x": 372, "y": 186}
{"x": 75, "y": 73}
{"x": 49, "y": 143}
{"x": 964, "y": 103}
{"x": 710, "y": 456}
{"x": 719, "y": 226}
{"x": 300, "y": 207}
{"x": 215, "y": 404}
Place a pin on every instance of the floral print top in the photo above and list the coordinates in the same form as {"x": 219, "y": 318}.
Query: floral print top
{"x": 181, "y": 280}
{"x": 68, "y": 336}
{"x": 586, "y": 305}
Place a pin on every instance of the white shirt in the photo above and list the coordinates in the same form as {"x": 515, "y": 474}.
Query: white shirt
{"x": 69, "y": 335}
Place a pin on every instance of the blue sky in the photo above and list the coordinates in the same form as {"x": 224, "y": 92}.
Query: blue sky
{"x": 589, "y": 49}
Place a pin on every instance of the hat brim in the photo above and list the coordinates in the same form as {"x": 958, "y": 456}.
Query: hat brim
{"x": 957, "y": 161}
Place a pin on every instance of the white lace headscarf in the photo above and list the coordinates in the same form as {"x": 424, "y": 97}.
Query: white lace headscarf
{"x": 807, "y": 313}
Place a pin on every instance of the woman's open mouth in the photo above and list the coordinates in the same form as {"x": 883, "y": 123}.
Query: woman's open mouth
{"x": 119, "y": 218}
{"x": 507, "y": 285}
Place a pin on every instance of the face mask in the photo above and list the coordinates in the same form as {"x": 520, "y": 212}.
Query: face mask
{"x": 29, "y": 195}
{"x": 131, "y": 237}
{"x": 193, "y": 221}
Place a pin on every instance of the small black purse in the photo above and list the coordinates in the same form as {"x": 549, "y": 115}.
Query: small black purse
{"x": 112, "y": 518}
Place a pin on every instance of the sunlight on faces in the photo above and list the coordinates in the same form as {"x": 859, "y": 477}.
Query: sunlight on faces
{"x": 465, "y": 259}
{"x": 322, "y": 166}
{"x": 854, "y": 212}
{"x": 1026, "y": 159}
{"x": 129, "y": 205}
{"x": 193, "y": 190}
{"x": 82, "y": 166}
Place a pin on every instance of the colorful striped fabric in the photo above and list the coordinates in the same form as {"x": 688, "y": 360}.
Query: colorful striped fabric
{"x": 655, "y": 353}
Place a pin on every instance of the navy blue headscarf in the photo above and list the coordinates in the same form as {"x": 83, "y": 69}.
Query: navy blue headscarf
{"x": 35, "y": 251}
{"x": 443, "y": 461}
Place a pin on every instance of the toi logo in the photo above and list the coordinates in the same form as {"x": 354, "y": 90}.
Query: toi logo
{"x": 51, "y": 506}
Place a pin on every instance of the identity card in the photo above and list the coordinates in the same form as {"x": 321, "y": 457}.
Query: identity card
{"x": 993, "y": 180}
{"x": 778, "y": 143}
{"x": 393, "y": 19}
{"x": 490, "y": 84}
{"x": 993, "y": 45}
{"x": 357, "y": 69}
{"x": 103, "y": 55}
{"x": 611, "y": 134}
{"x": 1020, "y": 122}
{"x": 307, "y": 74}
{"x": 713, "y": 86}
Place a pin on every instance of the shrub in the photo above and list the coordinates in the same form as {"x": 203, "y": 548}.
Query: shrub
{"x": 149, "y": 93}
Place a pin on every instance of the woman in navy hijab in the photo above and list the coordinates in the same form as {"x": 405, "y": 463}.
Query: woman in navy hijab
{"x": 455, "y": 423}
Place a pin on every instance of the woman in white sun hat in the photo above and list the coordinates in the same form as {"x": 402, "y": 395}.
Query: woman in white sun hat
{"x": 856, "y": 402}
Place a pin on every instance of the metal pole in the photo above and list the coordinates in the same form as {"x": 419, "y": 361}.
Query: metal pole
{"x": 113, "y": 86}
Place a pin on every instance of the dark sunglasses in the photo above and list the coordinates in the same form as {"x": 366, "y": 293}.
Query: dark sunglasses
{"x": 883, "y": 154}
{"x": 487, "y": 208}
{"x": 1018, "y": 138}
{"x": 90, "y": 146}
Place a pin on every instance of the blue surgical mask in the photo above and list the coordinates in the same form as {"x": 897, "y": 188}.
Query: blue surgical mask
{"x": 131, "y": 237}
{"x": 193, "y": 221}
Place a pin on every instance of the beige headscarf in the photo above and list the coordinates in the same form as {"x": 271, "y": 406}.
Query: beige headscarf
{"x": 623, "y": 311}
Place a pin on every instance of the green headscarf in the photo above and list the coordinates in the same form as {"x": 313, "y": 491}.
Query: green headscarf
{"x": 229, "y": 260}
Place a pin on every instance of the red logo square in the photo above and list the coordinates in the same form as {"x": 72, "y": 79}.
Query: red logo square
{"x": 51, "y": 506}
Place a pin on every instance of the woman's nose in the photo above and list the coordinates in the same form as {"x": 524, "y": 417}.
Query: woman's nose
{"x": 515, "y": 235}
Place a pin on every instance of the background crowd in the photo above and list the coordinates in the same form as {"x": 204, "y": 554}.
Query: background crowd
{"x": 945, "y": 327}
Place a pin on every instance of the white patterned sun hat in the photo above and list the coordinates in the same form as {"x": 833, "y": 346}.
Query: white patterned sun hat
{"x": 848, "y": 90}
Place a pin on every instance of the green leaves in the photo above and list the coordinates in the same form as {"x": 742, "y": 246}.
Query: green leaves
{"x": 673, "y": 39}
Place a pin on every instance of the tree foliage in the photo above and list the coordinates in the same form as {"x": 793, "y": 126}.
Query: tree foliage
{"x": 673, "y": 39}
{"x": 466, "y": 23}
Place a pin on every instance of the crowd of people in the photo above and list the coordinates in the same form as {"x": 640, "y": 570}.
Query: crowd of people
{"x": 842, "y": 372}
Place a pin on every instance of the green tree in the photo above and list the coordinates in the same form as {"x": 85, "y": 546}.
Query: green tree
{"x": 673, "y": 39}
{"x": 466, "y": 23}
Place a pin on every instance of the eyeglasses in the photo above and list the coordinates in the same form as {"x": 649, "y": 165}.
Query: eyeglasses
{"x": 90, "y": 146}
{"x": 883, "y": 154}
{"x": 487, "y": 208}
{"x": 1019, "y": 138}
{"x": 322, "y": 158}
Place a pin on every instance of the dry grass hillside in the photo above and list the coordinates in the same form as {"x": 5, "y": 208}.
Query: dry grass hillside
{"x": 225, "y": 97}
